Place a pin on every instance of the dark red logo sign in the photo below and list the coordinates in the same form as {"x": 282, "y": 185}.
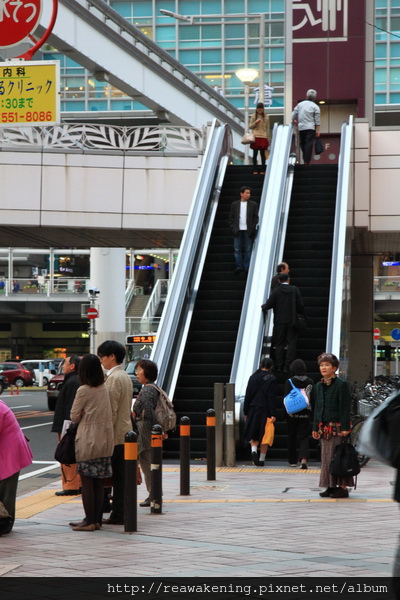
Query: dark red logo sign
{"x": 18, "y": 19}
{"x": 320, "y": 20}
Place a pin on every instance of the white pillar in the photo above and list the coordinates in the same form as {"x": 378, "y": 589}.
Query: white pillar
{"x": 107, "y": 273}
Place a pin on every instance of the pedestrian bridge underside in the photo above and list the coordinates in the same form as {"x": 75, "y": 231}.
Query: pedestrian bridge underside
{"x": 92, "y": 185}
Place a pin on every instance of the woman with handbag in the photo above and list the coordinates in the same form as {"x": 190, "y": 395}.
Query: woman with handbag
{"x": 259, "y": 124}
{"x": 331, "y": 423}
{"x": 94, "y": 441}
{"x": 15, "y": 454}
{"x": 299, "y": 424}
{"x": 259, "y": 410}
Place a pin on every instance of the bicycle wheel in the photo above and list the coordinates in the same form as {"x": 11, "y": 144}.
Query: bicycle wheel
{"x": 355, "y": 434}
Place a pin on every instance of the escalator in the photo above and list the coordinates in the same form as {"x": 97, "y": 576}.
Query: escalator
{"x": 211, "y": 340}
{"x": 308, "y": 250}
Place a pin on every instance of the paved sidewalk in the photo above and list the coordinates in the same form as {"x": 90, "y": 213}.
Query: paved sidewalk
{"x": 251, "y": 522}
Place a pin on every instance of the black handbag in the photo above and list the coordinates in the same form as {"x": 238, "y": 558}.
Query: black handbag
{"x": 344, "y": 461}
{"x": 65, "y": 451}
{"x": 318, "y": 146}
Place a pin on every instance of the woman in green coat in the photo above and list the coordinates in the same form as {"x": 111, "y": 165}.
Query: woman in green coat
{"x": 331, "y": 423}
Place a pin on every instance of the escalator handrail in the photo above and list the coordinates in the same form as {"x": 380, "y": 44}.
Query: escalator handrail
{"x": 274, "y": 207}
{"x": 174, "y": 325}
{"x": 337, "y": 286}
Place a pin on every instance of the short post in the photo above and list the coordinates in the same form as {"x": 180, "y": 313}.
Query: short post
{"x": 156, "y": 469}
{"x": 130, "y": 488}
{"x": 185, "y": 455}
{"x": 230, "y": 455}
{"x": 219, "y": 391}
{"x": 210, "y": 421}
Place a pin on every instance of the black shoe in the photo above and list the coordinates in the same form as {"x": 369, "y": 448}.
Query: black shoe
{"x": 340, "y": 492}
{"x": 303, "y": 465}
{"x": 112, "y": 521}
{"x": 327, "y": 493}
{"x": 145, "y": 503}
{"x": 260, "y": 463}
{"x": 255, "y": 460}
{"x": 68, "y": 493}
{"x": 237, "y": 271}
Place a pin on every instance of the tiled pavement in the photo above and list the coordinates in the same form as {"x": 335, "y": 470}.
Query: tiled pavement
{"x": 249, "y": 522}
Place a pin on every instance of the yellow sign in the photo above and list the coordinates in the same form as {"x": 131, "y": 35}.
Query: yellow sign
{"x": 29, "y": 93}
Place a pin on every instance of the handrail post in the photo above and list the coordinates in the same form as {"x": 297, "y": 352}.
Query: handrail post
{"x": 210, "y": 420}
{"x": 156, "y": 469}
{"x": 185, "y": 456}
{"x": 219, "y": 390}
{"x": 229, "y": 454}
{"x": 130, "y": 487}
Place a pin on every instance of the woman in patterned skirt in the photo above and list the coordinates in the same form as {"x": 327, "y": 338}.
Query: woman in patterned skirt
{"x": 331, "y": 423}
{"x": 94, "y": 443}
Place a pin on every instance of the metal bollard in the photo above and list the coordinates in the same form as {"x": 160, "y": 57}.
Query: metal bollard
{"x": 229, "y": 437}
{"x": 156, "y": 469}
{"x": 210, "y": 421}
{"x": 130, "y": 487}
{"x": 219, "y": 393}
{"x": 184, "y": 447}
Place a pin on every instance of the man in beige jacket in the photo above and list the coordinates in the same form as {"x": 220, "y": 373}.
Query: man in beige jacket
{"x": 119, "y": 387}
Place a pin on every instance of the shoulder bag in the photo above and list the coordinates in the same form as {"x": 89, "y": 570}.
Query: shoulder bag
{"x": 65, "y": 451}
{"x": 296, "y": 400}
{"x": 248, "y": 138}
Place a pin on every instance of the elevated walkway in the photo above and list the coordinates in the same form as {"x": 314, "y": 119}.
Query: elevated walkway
{"x": 98, "y": 38}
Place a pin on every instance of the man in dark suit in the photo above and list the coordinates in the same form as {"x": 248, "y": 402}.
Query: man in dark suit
{"x": 243, "y": 219}
{"x": 281, "y": 268}
{"x": 287, "y": 303}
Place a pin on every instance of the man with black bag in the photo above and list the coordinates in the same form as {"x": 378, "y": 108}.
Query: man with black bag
{"x": 287, "y": 304}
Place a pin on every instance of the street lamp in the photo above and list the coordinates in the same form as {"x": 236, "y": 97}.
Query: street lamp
{"x": 257, "y": 17}
{"x": 246, "y": 76}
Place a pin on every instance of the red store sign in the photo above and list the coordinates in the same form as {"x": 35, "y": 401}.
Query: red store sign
{"x": 18, "y": 20}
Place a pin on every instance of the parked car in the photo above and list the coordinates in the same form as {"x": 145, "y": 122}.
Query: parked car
{"x": 131, "y": 369}
{"x": 48, "y": 365}
{"x": 17, "y": 374}
{"x": 3, "y": 383}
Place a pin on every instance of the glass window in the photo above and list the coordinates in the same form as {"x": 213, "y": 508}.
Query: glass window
{"x": 256, "y": 6}
{"x": 234, "y": 32}
{"x": 190, "y": 32}
{"x": 189, "y": 7}
{"x": 142, "y": 9}
{"x": 395, "y": 98}
{"x": 211, "y": 32}
{"x": 165, "y": 34}
{"x": 394, "y": 50}
{"x": 395, "y": 24}
{"x": 380, "y": 76}
{"x": 98, "y": 105}
{"x": 234, "y": 56}
{"x": 395, "y": 75}
{"x": 123, "y": 8}
{"x": 190, "y": 57}
{"x": 211, "y": 7}
{"x": 234, "y": 6}
{"x": 211, "y": 57}
{"x": 278, "y": 6}
{"x": 380, "y": 50}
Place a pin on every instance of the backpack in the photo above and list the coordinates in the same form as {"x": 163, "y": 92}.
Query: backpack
{"x": 296, "y": 400}
{"x": 344, "y": 461}
{"x": 164, "y": 411}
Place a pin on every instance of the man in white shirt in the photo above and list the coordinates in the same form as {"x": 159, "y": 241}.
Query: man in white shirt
{"x": 307, "y": 115}
{"x": 243, "y": 219}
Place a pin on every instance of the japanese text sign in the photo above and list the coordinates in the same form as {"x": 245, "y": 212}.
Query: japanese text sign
{"x": 29, "y": 93}
{"x": 18, "y": 19}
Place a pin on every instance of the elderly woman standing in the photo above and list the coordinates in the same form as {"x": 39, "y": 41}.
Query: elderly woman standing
{"x": 259, "y": 124}
{"x": 331, "y": 423}
{"x": 145, "y": 418}
{"x": 15, "y": 454}
{"x": 94, "y": 442}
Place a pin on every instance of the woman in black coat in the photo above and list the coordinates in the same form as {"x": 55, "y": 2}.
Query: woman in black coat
{"x": 259, "y": 405}
{"x": 299, "y": 424}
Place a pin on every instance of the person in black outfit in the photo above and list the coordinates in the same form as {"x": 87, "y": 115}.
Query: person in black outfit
{"x": 71, "y": 481}
{"x": 259, "y": 405}
{"x": 243, "y": 219}
{"x": 287, "y": 303}
{"x": 281, "y": 268}
{"x": 299, "y": 424}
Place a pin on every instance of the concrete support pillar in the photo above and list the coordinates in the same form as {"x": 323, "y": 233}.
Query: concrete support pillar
{"x": 361, "y": 354}
{"x": 107, "y": 273}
